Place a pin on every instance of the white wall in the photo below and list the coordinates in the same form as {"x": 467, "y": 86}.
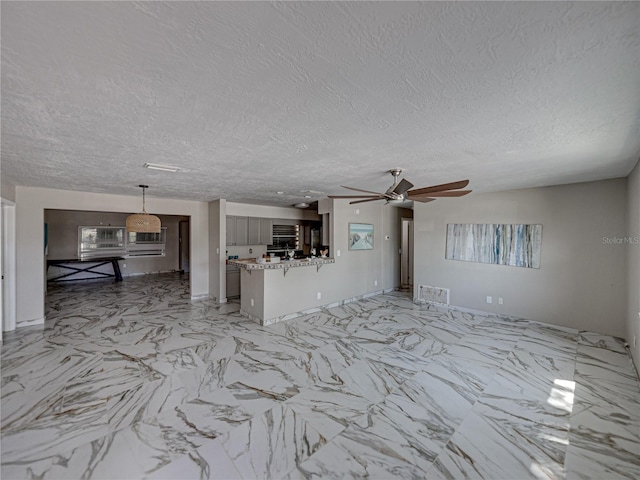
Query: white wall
{"x": 355, "y": 272}
{"x": 263, "y": 211}
{"x": 7, "y": 191}
{"x": 633, "y": 263}
{"x": 30, "y": 205}
{"x": 63, "y": 240}
{"x": 582, "y": 280}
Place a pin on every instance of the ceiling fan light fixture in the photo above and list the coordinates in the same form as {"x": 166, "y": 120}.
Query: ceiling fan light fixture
{"x": 163, "y": 168}
{"x": 143, "y": 222}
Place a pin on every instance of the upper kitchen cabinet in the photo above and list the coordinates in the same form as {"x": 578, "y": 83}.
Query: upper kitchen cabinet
{"x": 231, "y": 230}
{"x": 266, "y": 231}
{"x": 260, "y": 231}
{"x": 237, "y": 230}
{"x": 253, "y": 237}
{"x": 249, "y": 230}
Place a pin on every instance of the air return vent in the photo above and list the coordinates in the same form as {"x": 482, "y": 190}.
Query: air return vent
{"x": 429, "y": 294}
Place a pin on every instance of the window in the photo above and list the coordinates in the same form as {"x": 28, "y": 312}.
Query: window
{"x": 99, "y": 241}
{"x": 146, "y": 244}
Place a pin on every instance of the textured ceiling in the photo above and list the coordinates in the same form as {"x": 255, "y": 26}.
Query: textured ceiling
{"x": 254, "y": 98}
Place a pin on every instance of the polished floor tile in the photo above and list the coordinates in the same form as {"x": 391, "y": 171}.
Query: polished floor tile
{"x": 135, "y": 380}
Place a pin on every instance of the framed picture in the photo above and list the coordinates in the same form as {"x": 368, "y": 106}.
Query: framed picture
{"x": 360, "y": 236}
{"x": 517, "y": 245}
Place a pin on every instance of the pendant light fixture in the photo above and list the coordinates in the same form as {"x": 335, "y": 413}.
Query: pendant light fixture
{"x": 143, "y": 222}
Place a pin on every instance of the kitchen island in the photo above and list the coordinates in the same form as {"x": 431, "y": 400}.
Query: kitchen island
{"x": 273, "y": 292}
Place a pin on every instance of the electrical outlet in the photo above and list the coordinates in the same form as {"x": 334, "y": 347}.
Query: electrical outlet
{"x": 338, "y": 253}
{"x": 319, "y": 295}
{"x": 252, "y": 303}
{"x": 375, "y": 283}
{"x": 500, "y": 301}
{"x": 489, "y": 299}
{"x": 124, "y": 265}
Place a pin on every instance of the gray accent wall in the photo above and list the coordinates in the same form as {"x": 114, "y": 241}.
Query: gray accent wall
{"x": 582, "y": 281}
{"x": 633, "y": 263}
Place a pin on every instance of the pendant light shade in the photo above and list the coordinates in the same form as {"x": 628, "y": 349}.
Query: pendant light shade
{"x": 143, "y": 222}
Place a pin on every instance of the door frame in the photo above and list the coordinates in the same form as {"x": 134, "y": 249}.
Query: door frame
{"x": 406, "y": 253}
{"x": 184, "y": 227}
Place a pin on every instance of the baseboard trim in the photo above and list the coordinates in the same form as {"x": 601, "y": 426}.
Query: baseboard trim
{"x": 30, "y": 323}
{"x": 203, "y": 296}
{"x": 290, "y": 316}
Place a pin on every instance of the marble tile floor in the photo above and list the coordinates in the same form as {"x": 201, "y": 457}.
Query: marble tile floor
{"x": 135, "y": 380}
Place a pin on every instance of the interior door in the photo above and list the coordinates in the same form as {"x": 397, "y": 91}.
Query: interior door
{"x": 406, "y": 257}
{"x": 183, "y": 246}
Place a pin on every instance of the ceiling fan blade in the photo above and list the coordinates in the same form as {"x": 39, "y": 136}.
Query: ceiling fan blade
{"x": 402, "y": 187}
{"x": 420, "y": 199}
{"x": 373, "y": 197}
{"x": 450, "y": 193}
{"x": 367, "y": 200}
{"x": 439, "y": 188}
{"x": 360, "y": 190}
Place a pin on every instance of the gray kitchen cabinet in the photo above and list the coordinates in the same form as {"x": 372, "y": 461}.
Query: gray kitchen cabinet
{"x": 254, "y": 231}
{"x": 237, "y": 230}
{"x": 249, "y": 230}
{"x": 242, "y": 230}
{"x": 233, "y": 283}
{"x": 231, "y": 230}
{"x": 266, "y": 231}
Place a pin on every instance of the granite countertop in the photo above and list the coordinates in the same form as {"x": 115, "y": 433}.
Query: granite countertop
{"x": 251, "y": 264}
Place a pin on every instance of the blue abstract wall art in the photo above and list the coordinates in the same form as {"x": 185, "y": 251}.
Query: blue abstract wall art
{"x": 516, "y": 245}
{"x": 360, "y": 236}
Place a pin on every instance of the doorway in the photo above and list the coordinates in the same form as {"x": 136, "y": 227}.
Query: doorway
{"x": 406, "y": 255}
{"x": 183, "y": 247}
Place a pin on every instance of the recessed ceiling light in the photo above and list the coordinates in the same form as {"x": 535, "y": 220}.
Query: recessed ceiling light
{"x": 280, "y": 193}
{"x": 164, "y": 168}
{"x": 301, "y": 205}
{"x": 308, "y": 196}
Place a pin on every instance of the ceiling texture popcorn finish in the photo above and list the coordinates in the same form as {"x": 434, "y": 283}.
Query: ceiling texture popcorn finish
{"x": 249, "y": 99}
